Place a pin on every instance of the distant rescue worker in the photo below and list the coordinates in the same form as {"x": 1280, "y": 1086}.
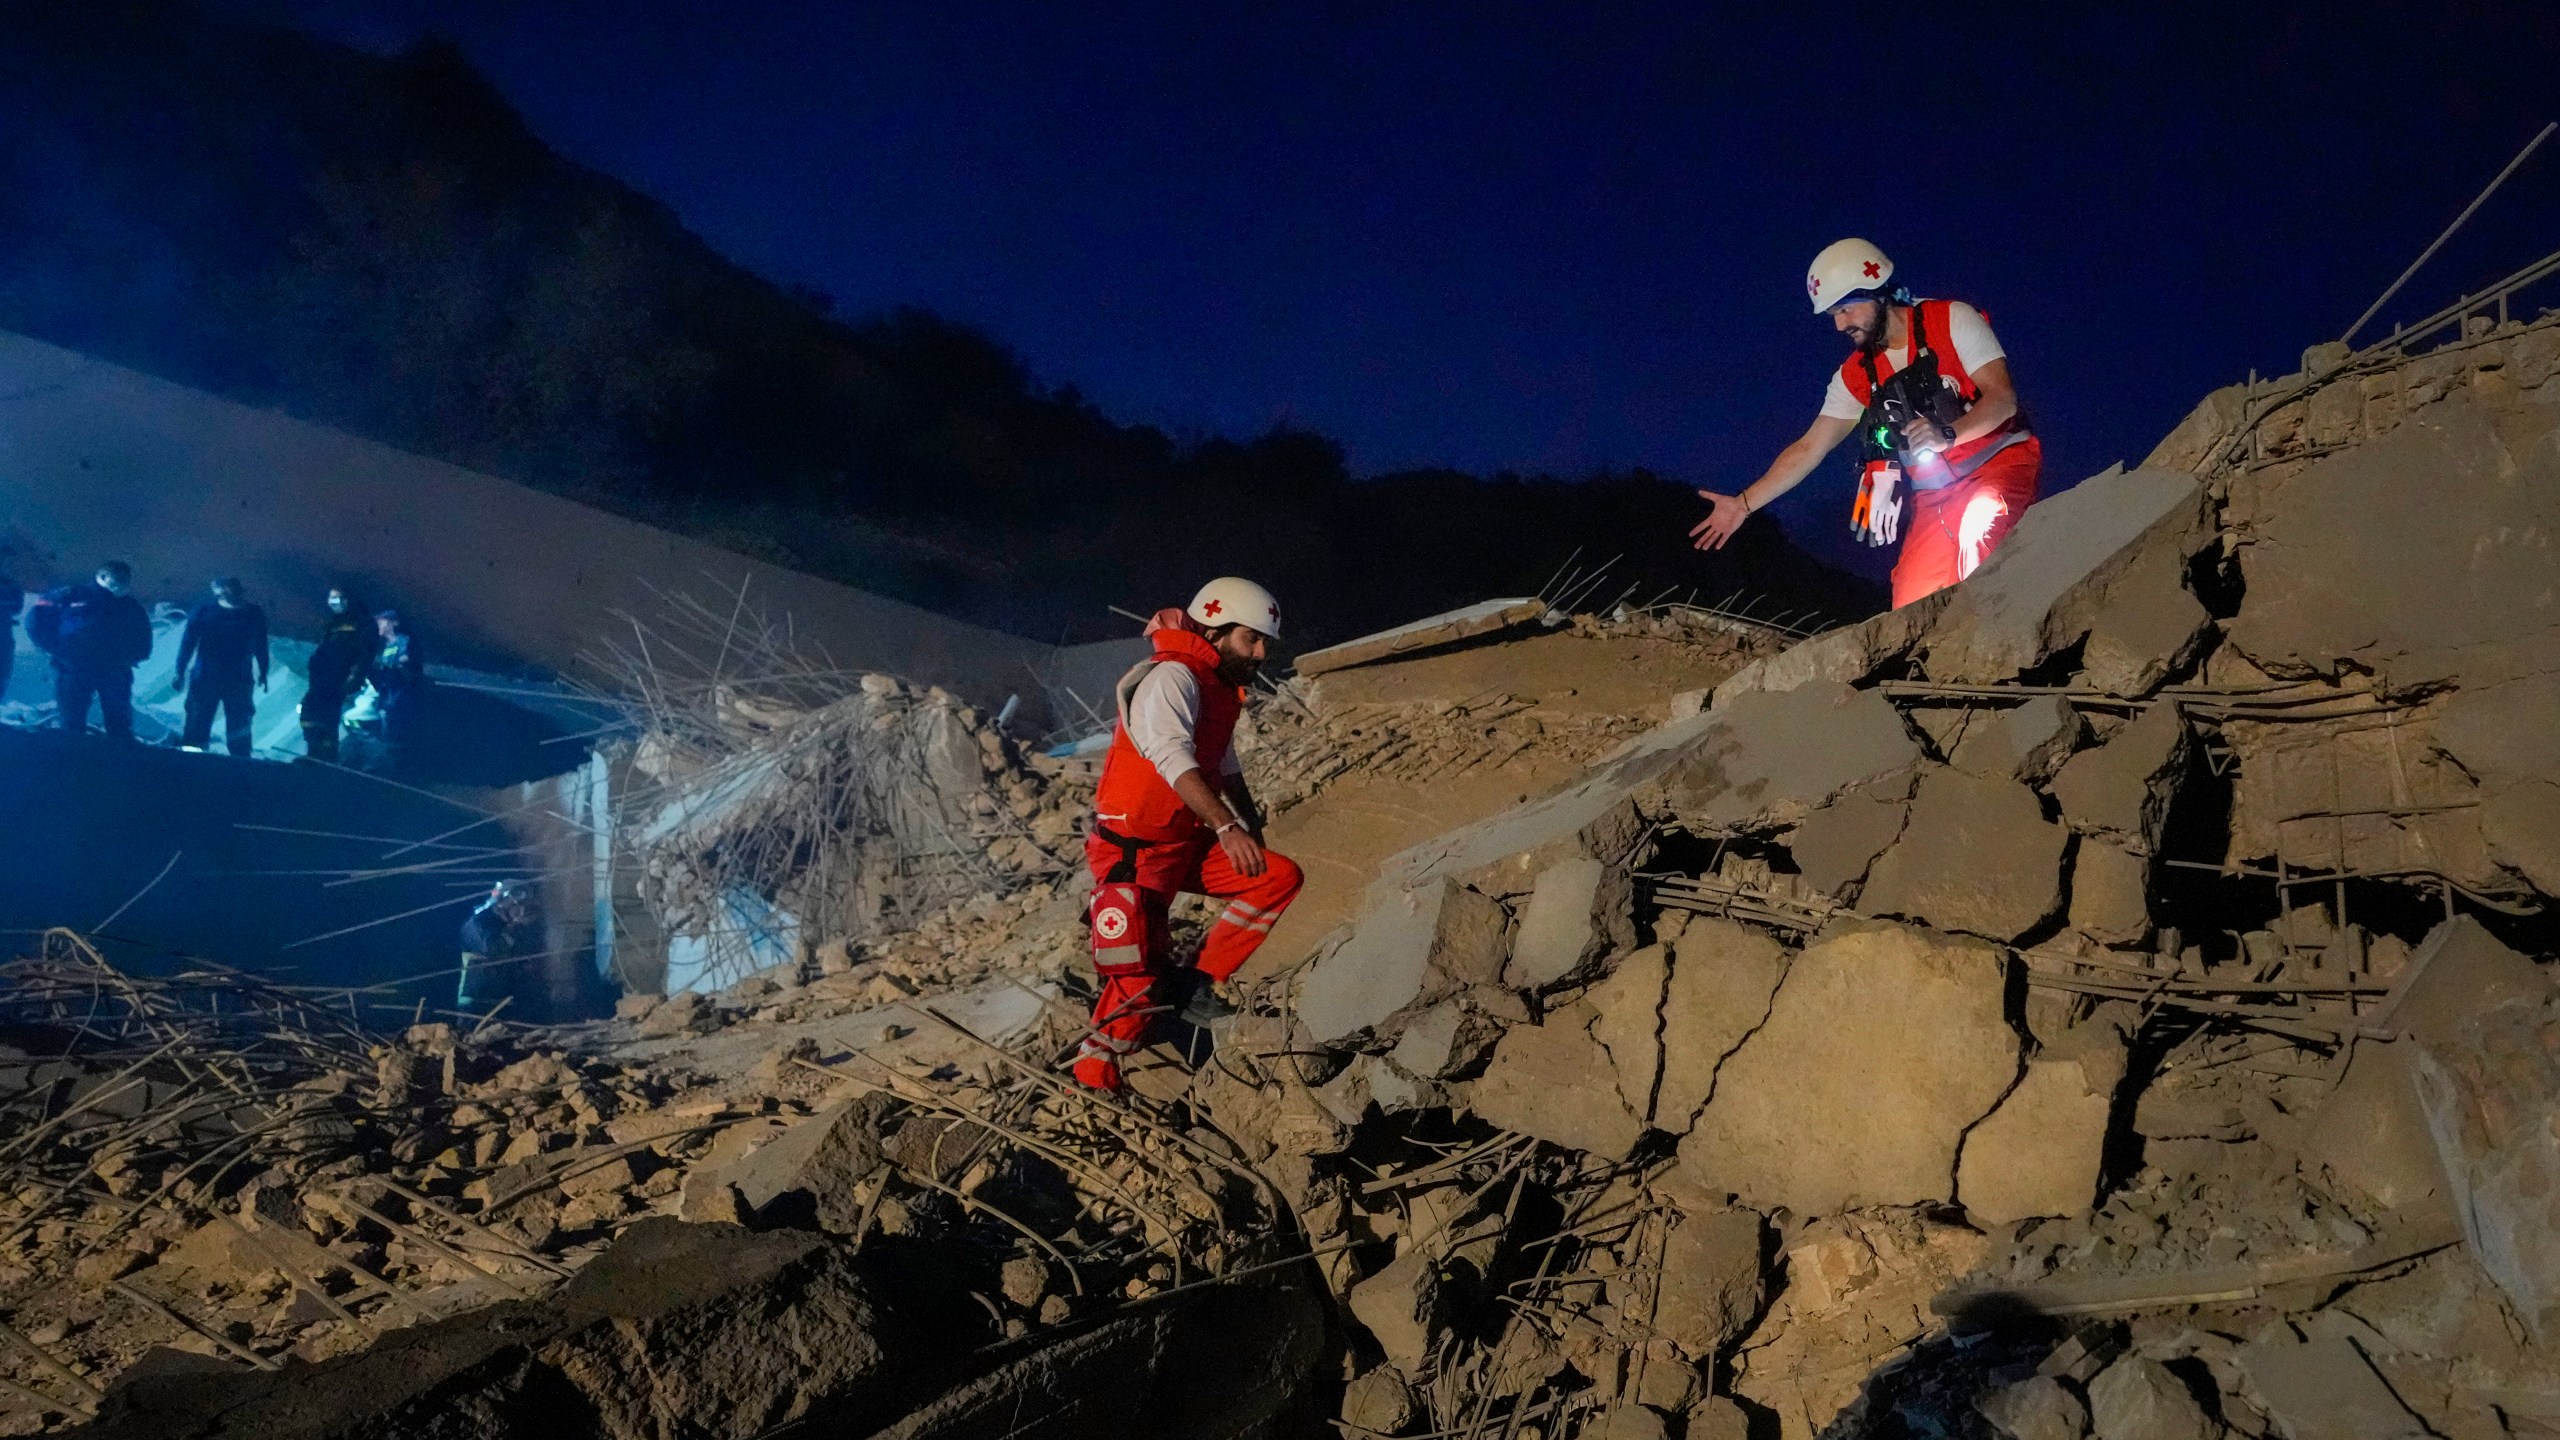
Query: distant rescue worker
{"x": 347, "y": 643}
{"x": 498, "y": 932}
{"x": 222, "y": 653}
{"x": 96, "y": 632}
{"x": 1164, "y": 825}
{"x": 398, "y": 674}
{"x": 12, "y": 600}
{"x": 1926, "y": 390}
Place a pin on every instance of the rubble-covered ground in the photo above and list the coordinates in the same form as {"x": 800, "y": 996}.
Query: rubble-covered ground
{"x": 2112, "y": 999}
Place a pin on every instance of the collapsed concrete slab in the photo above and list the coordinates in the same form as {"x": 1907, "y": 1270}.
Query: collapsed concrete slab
{"x": 1627, "y": 1021}
{"x": 1723, "y": 977}
{"x": 2025, "y": 742}
{"x": 2520, "y": 824}
{"x": 2043, "y": 589}
{"x": 1837, "y": 843}
{"x": 1578, "y": 911}
{"x": 1553, "y": 1081}
{"x": 2408, "y": 557}
{"x": 2148, "y": 626}
{"x": 2038, "y": 1153}
{"x": 1850, "y": 655}
{"x": 1772, "y": 756}
{"x": 2122, "y": 789}
{"x": 1977, "y": 855}
{"x": 1411, "y": 948}
{"x": 1884, "y": 1044}
{"x": 1485, "y": 617}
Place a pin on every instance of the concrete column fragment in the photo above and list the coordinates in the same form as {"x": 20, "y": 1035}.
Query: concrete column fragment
{"x": 1579, "y": 911}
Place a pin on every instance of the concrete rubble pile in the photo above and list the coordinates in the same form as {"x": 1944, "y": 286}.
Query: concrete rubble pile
{"x": 758, "y": 825}
{"x": 1303, "y": 738}
{"x": 2109, "y": 998}
{"x": 235, "y": 1213}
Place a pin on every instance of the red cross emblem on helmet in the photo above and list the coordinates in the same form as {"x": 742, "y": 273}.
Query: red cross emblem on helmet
{"x": 1874, "y": 270}
{"x": 1213, "y": 607}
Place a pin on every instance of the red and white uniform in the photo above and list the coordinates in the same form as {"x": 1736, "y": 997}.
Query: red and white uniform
{"x": 1176, "y": 716}
{"x": 1949, "y": 532}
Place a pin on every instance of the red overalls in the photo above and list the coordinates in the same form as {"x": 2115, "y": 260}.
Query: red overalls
{"x": 1146, "y": 846}
{"x": 1948, "y": 532}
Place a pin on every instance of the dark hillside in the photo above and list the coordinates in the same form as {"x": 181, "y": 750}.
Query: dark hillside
{"x": 380, "y": 245}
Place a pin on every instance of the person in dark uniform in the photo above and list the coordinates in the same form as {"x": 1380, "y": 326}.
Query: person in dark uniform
{"x": 338, "y": 661}
{"x": 222, "y": 653}
{"x": 96, "y": 633}
{"x": 497, "y": 932}
{"x": 398, "y": 674}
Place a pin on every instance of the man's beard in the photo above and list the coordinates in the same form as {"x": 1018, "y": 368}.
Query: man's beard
{"x": 1870, "y": 340}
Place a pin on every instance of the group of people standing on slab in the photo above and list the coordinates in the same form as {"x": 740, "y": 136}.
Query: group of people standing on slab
{"x": 95, "y": 633}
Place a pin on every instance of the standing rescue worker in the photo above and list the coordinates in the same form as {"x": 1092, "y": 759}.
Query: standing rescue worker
{"x": 1163, "y": 824}
{"x": 1926, "y": 390}
{"x": 337, "y": 663}
{"x": 398, "y": 675}
{"x": 226, "y": 643}
{"x": 96, "y": 633}
{"x": 493, "y": 938}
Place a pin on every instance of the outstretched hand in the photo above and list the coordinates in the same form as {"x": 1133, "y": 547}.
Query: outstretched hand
{"x": 1726, "y": 517}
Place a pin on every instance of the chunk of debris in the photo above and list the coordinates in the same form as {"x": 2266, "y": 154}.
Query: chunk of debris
{"x": 2038, "y": 1153}
{"x": 2121, "y": 790}
{"x": 1885, "y": 1043}
{"x": 1976, "y": 855}
{"x": 1550, "y": 1080}
{"x": 1577, "y": 912}
{"x": 1482, "y": 618}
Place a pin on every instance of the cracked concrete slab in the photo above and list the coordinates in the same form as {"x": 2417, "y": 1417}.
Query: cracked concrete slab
{"x": 1773, "y": 756}
{"x": 1977, "y": 855}
{"x": 2122, "y": 789}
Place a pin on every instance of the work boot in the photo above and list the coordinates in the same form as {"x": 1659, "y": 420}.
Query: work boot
{"x": 1204, "y": 1007}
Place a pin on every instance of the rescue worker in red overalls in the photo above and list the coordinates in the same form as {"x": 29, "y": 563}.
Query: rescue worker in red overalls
{"x": 1173, "y": 813}
{"x": 1947, "y": 461}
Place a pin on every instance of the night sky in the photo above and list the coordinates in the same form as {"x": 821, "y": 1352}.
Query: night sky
{"x": 1487, "y": 237}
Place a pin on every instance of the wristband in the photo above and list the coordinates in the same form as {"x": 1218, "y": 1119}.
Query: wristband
{"x": 1223, "y": 829}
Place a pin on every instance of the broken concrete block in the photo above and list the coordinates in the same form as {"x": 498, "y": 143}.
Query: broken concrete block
{"x": 1884, "y": 1044}
{"x": 2326, "y": 1388}
{"x": 1846, "y": 656}
{"x": 1628, "y": 1420}
{"x": 1554, "y": 1081}
{"x": 1380, "y": 1402}
{"x": 1837, "y": 842}
{"x": 2040, "y": 592}
{"x": 1409, "y": 948}
{"x": 2123, "y": 788}
{"x": 2405, "y": 554}
{"x": 1717, "y": 1417}
{"x": 2489, "y": 1094}
{"x": 2022, "y": 742}
{"x": 1401, "y": 1308}
{"x": 2148, "y": 627}
{"x": 1449, "y": 1041}
{"x": 2371, "y": 1134}
{"x": 1770, "y": 757}
{"x": 2521, "y": 823}
{"x": 2110, "y": 892}
{"x": 2037, "y": 1408}
{"x": 2140, "y": 1399}
{"x": 1710, "y": 1286}
{"x": 2038, "y": 1153}
{"x": 806, "y": 1175}
{"x": 1628, "y": 1023}
{"x": 1723, "y": 975}
{"x": 2502, "y": 733}
{"x": 1578, "y": 911}
{"x": 2459, "y": 970}
{"x": 1977, "y": 855}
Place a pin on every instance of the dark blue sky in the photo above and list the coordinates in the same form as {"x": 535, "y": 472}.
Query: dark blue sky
{"x": 1556, "y": 237}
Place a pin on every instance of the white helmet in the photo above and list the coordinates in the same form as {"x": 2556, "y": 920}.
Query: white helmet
{"x": 1230, "y": 601}
{"x": 1846, "y": 270}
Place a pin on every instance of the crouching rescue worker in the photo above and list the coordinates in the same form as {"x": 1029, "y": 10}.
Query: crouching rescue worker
{"x": 1946, "y": 461}
{"x": 1173, "y": 814}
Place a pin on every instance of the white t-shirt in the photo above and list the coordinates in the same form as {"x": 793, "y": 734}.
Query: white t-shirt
{"x": 1975, "y": 347}
{"x": 1163, "y": 711}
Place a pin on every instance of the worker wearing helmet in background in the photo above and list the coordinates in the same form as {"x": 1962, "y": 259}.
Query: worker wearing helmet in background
{"x": 1172, "y": 813}
{"x": 1946, "y": 459}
